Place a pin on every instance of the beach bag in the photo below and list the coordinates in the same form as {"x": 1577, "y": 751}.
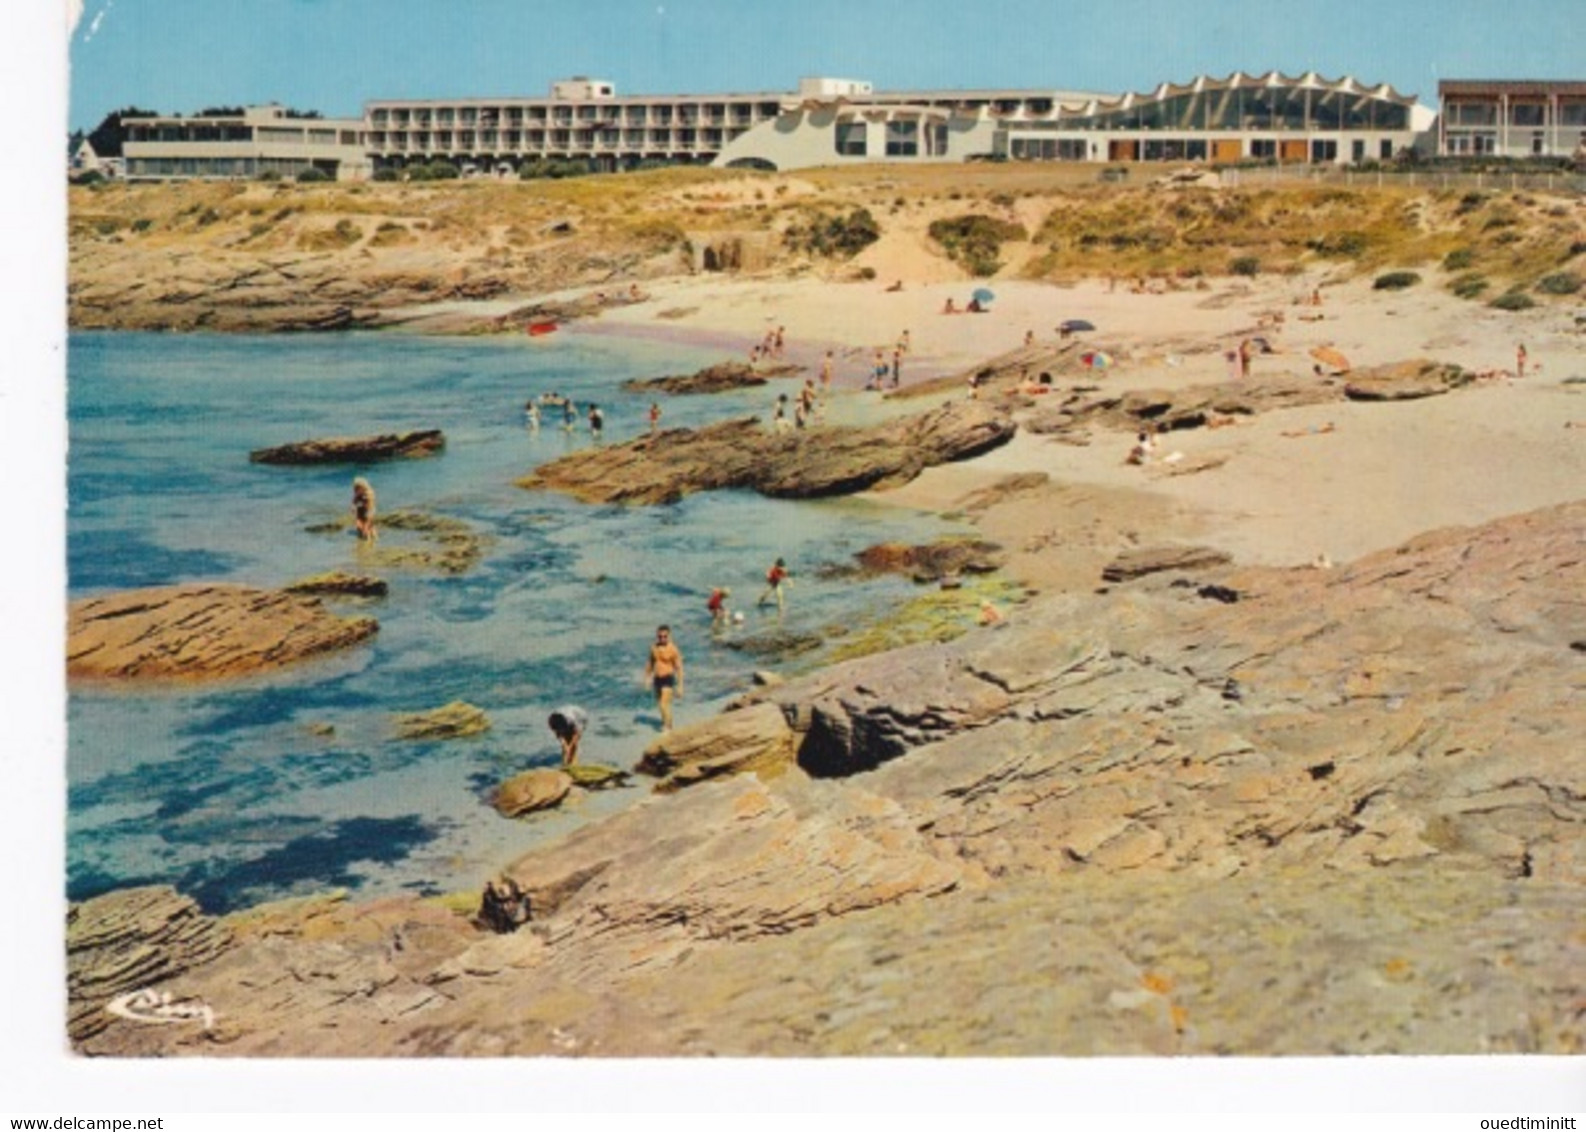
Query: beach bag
{"x": 505, "y": 907}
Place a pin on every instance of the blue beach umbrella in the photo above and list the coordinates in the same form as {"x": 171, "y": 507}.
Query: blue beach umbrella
{"x": 983, "y": 296}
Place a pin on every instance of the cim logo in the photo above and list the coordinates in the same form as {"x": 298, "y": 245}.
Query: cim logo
{"x": 160, "y": 1009}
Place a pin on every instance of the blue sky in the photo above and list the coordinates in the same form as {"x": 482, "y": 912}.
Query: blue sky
{"x": 331, "y": 55}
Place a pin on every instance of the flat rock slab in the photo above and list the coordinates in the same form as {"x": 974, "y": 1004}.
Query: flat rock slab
{"x": 338, "y": 584}
{"x": 1156, "y": 559}
{"x": 454, "y": 721}
{"x": 201, "y": 632}
{"x": 931, "y": 561}
{"x": 354, "y": 449}
{"x": 537, "y": 789}
{"x": 1405, "y": 381}
{"x": 753, "y": 738}
{"x": 796, "y": 464}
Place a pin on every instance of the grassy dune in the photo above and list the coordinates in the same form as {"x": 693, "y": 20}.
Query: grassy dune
{"x": 1055, "y": 223}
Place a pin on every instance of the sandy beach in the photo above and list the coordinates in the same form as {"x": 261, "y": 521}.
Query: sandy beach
{"x": 1336, "y": 480}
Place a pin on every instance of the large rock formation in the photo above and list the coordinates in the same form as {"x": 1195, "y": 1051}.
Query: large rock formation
{"x": 719, "y": 378}
{"x": 797, "y": 464}
{"x": 1341, "y": 815}
{"x": 123, "y": 942}
{"x": 354, "y": 449}
{"x": 755, "y": 738}
{"x": 201, "y": 631}
{"x": 1405, "y": 381}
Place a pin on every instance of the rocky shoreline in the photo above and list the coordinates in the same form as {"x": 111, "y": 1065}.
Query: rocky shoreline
{"x": 1139, "y": 821}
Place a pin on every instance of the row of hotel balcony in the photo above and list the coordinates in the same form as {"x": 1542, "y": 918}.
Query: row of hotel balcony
{"x": 400, "y": 119}
{"x": 512, "y": 140}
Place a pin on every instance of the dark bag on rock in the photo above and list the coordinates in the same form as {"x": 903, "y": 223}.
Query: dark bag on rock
{"x": 505, "y": 907}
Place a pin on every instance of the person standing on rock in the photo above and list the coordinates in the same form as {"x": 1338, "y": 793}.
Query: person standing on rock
{"x": 655, "y": 417}
{"x": 363, "y": 509}
{"x": 567, "y": 724}
{"x": 664, "y": 672}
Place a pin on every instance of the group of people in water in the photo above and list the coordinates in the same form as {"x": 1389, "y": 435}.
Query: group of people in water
{"x": 663, "y": 666}
{"x": 554, "y": 403}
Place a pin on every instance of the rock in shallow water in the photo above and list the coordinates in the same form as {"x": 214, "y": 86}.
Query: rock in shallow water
{"x": 201, "y": 632}
{"x": 354, "y": 449}
{"x": 799, "y": 464}
{"x": 537, "y": 789}
{"x": 454, "y": 721}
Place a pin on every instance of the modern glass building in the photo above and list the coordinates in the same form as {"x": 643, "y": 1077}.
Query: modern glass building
{"x": 1305, "y": 119}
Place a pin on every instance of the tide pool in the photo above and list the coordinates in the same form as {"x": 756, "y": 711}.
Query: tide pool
{"x": 242, "y": 791}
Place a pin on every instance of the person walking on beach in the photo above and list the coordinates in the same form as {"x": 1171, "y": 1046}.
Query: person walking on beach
{"x": 897, "y": 366}
{"x": 826, "y": 373}
{"x": 1244, "y": 358}
{"x": 567, "y": 724}
{"x": 363, "y": 509}
{"x": 664, "y": 673}
{"x": 1519, "y": 360}
{"x": 775, "y": 579}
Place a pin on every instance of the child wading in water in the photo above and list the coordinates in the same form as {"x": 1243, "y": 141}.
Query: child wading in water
{"x": 775, "y": 579}
{"x": 363, "y": 509}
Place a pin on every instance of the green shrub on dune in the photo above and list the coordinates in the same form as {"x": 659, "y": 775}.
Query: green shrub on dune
{"x": 1395, "y": 281}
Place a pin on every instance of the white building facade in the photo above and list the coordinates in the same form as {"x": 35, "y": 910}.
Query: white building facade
{"x": 1305, "y": 119}
{"x": 251, "y": 142}
{"x": 1511, "y": 118}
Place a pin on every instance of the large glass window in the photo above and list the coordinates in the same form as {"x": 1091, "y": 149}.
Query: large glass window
{"x": 1472, "y": 113}
{"x": 851, "y": 139}
{"x": 1525, "y": 114}
{"x": 903, "y": 139}
{"x": 1572, "y": 112}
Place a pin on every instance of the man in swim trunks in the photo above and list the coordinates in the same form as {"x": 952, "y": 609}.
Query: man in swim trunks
{"x": 664, "y": 671}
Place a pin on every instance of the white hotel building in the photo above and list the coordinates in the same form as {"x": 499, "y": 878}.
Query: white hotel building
{"x": 842, "y": 121}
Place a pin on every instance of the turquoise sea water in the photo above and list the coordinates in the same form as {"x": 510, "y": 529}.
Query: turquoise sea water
{"x": 233, "y": 791}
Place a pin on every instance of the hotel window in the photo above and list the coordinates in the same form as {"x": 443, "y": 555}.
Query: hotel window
{"x": 1323, "y": 150}
{"x": 1473, "y": 114}
{"x": 903, "y": 139}
{"x": 1263, "y": 147}
{"x": 851, "y": 139}
{"x": 1385, "y": 150}
{"x": 1572, "y": 112}
{"x": 1525, "y": 114}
